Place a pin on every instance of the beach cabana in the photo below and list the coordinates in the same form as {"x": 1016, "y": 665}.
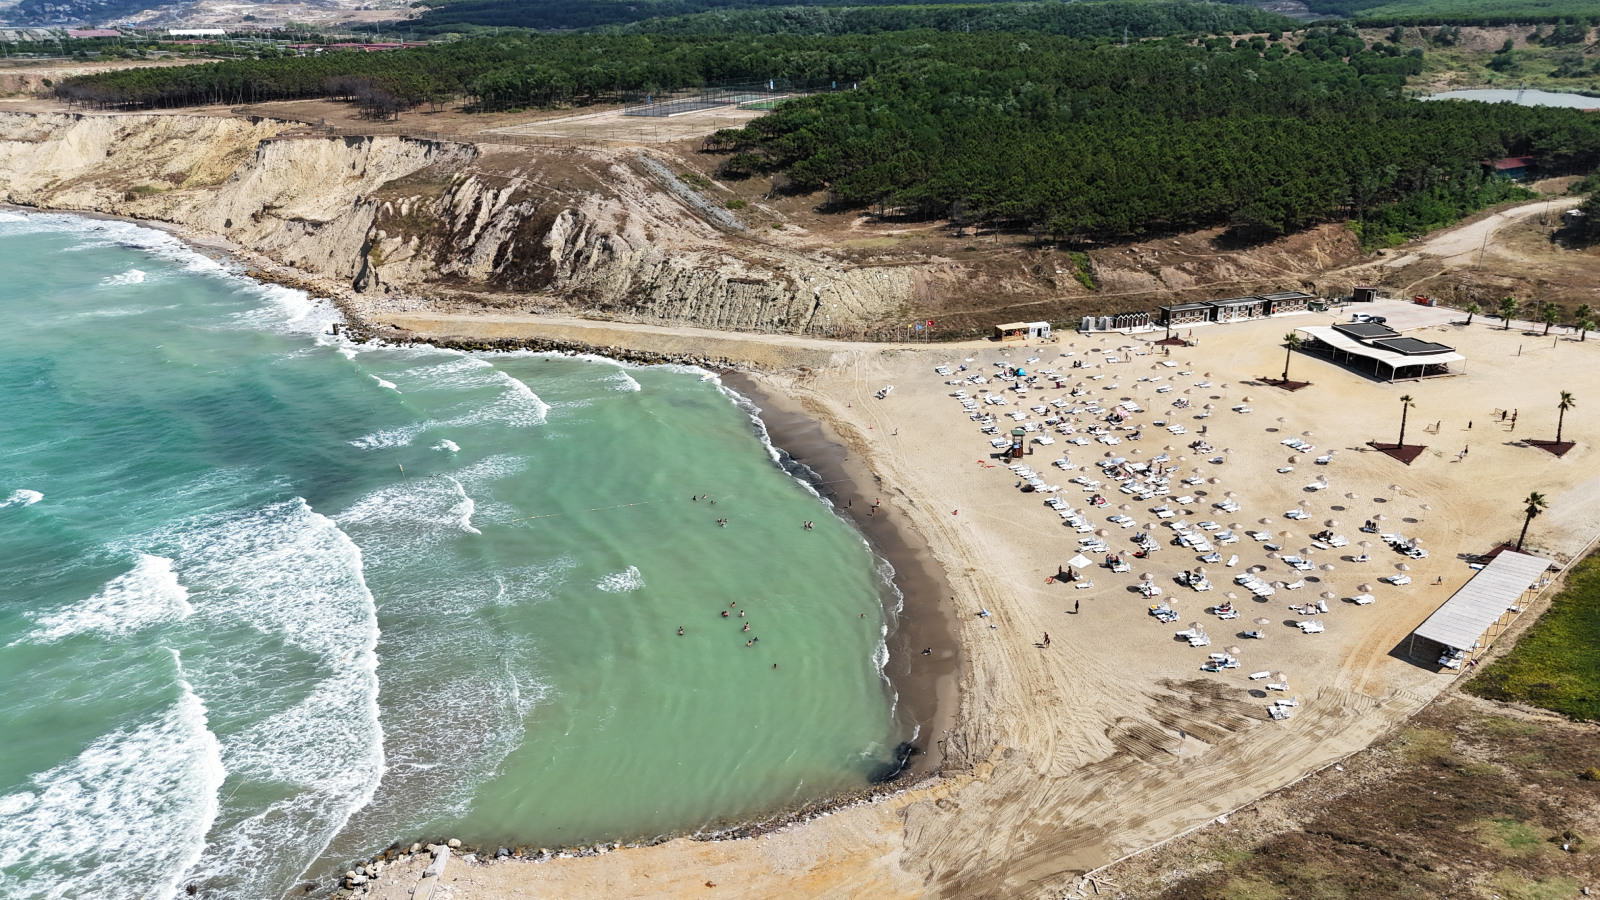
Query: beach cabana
{"x": 1482, "y": 609}
{"x": 1022, "y": 331}
{"x": 1380, "y": 351}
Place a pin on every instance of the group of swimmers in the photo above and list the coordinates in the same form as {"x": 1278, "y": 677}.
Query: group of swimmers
{"x": 725, "y": 615}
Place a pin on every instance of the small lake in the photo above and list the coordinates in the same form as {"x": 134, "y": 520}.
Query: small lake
{"x": 1523, "y": 98}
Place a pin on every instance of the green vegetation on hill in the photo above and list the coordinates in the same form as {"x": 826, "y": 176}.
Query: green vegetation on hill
{"x": 1556, "y": 664}
{"x": 1137, "y": 19}
{"x": 1076, "y": 139}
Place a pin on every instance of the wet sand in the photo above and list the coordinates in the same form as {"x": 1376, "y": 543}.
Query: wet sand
{"x": 927, "y": 686}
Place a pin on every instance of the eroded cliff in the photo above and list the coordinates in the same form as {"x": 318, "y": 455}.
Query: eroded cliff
{"x": 402, "y": 223}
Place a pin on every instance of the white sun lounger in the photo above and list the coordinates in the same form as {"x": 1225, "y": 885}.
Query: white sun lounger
{"x": 1257, "y": 676}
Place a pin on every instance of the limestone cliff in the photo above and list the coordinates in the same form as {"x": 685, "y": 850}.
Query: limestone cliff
{"x": 403, "y": 223}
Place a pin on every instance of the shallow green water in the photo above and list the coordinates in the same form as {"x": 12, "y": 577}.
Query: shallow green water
{"x": 269, "y": 601}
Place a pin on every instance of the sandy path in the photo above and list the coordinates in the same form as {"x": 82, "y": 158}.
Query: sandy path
{"x": 1462, "y": 244}
{"x": 1065, "y": 759}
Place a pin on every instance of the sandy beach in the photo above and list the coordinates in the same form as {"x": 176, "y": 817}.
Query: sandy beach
{"x": 1065, "y": 758}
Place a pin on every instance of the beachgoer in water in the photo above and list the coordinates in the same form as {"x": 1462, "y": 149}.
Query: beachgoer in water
{"x": 774, "y": 665}
{"x": 680, "y": 631}
{"x": 724, "y": 614}
{"x": 746, "y": 627}
{"x": 741, "y": 613}
{"x": 732, "y": 605}
{"x": 749, "y": 642}
{"x": 927, "y": 651}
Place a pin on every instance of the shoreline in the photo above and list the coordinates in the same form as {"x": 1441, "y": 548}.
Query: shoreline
{"x": 927, "y": 688}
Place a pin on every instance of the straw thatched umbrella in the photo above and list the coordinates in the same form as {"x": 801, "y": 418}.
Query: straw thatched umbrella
{"x": 1229, "y": 494}
{"x": 1281, "y": 677}
{"x": 1352, "y": 495}
{"x": 1364, "y": 588}
{"x": 1231, "y": 595}
{"x": 1303, "y": 504}
{"x": 1200, "y": 569}
{"x": 1265, "y": 520}
{"x": 1272, "y": 554}
{"x": 1282, "y": 419}
{"x": 1293, "y": 458}
{"x": 1258, "y": 568}
{"x": 1326, "y": 567}
{"x": 1262, "y": 620}
{"x": 1125, "y": 507}
{"x": 1402, "y": 567}
{"x": 1214, "y": 480}
{"x": 1233, "y": 649}
{"x": 1328, "y": 595}
{"x": 1331, "y": 523}
{"x": 1147, "y": 577}
{"x": 1102, "y": 532}
{"x": 1363, "y": 543}
{"x": 1379, "y": 517}
{"x": 1234, "y": 526}
{"x": 1426, "y": 506}
{"x": 1305, "y": 434}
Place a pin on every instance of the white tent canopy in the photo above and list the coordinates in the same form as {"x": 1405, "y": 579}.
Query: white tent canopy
{"x": 1080, "y": 562}
{"x": 1480, "y": 603}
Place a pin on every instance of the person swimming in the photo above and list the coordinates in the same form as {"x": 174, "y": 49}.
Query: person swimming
{"x": 680, "y": 631}
{"x": 746, "y": 627}
{"x": 724, "y": 614}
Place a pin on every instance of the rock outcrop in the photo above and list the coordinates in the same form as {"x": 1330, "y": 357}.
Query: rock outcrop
{"x": 403, "y": 223}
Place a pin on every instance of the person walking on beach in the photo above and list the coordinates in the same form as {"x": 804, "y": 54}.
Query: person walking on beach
{"x": 1047, "y": 640}
{"x": 1075, "y": 606}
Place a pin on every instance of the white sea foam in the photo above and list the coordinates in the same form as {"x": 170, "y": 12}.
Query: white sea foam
{"x": 126, "y": 818}
{"x": 388, "y": 384}
{"x": 447, "y": 446}
{"x": 132, "y": 276}
{"x": 416, "y": 513}
{"x": 624, "y": 381}
{"x": 517, "y": 405}
{"x": 305, "y": 747}
{"x": 146, "y": 595}
{"x": 621, "y": 582}
{"x": 463, "y": 508}
{"x": 390, "y": 437}
{"x": 21, "y": 497}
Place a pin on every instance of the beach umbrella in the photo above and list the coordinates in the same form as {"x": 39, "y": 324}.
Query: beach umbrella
{"x": 1210, "y": 406}
{"x": 1307, "y": 551}
{"x": 1247, "y": 399}
{"x": 1147, "y": 577}
{"x": 1402, "y": 567}
{"x": 1124, "y": 507}
{"x": 1364, "y": 588}
{"x": 1303, "y": 504}
{"x": 1293, "y": 458}
{"x": 1352, "y": 495}
{"x": 1258, "y": 568}
{"x": 1305, "y": 434}
{"x": 1281, "y": 677}
{"x": 1110, "y": 453}
{"x": 1278, "y": 584}
{"x": 1229, "y": 494}
{"x": 1102, "y": 532}
{"x": 1272, "y": 554}
{"x": 1262, "y": 620}
{"x": 1234, "y": 525}
{"x": 1426, "y": 506}
{"x": 1331, "y": 523}
{"x": 1231, "y": 595}
{"x": 1200, "y": 569}
{"x": 1282, "y": 419}
{"x": 1394, "y": 487}
{"x": 1379, "y": 517}
{"x": 1328, "y": 595}
{"x": 1265, "y": 520}
{"x": 1233, "y": 649}
{"x": 1167, "y": 447}
{"x": 1214, "y": 480}
{"x": 1326, "y": 567}
{"x": 1363, "y": 543}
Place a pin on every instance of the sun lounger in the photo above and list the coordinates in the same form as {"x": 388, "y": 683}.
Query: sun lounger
{"x": 1310, "y": 626}
{"x": 1397, "y": 579}
{"x": 1085, "y": 584}
{"x": 1295, "y": 585}
{"x": 1296, "y": 514}
{"x": 1257, "y": 676}
{"x": 1291, "y": 701}
{"x": 1232, "y": 561}
{"x": 1242, "y": 409}
{"x": 1226, "y": 537}
{"x": 1363, "y": 599}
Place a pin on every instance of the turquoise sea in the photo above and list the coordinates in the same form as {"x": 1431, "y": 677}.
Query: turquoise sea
{"x": 270, "y": 600}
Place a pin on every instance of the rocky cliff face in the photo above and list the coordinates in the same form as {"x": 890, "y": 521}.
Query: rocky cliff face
{"x": 402, "y": 223}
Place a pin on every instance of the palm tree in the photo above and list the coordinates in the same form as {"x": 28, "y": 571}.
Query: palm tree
{"x": 1508, "y": 308}
{"x": 1292, "y": 340}
{"x": 1584, "y": 313}
{"x": 1405, "y": 407}
{"x": 1472, "y": 310}
{"x": 1536, "y": 504}
{"x": 1566, "y": 403}
{"x": 1585, "y": 324}
{"x": 1550, "y": 314}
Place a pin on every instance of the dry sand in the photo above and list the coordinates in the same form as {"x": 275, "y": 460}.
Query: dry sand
{"x": 1066, "y": 759}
